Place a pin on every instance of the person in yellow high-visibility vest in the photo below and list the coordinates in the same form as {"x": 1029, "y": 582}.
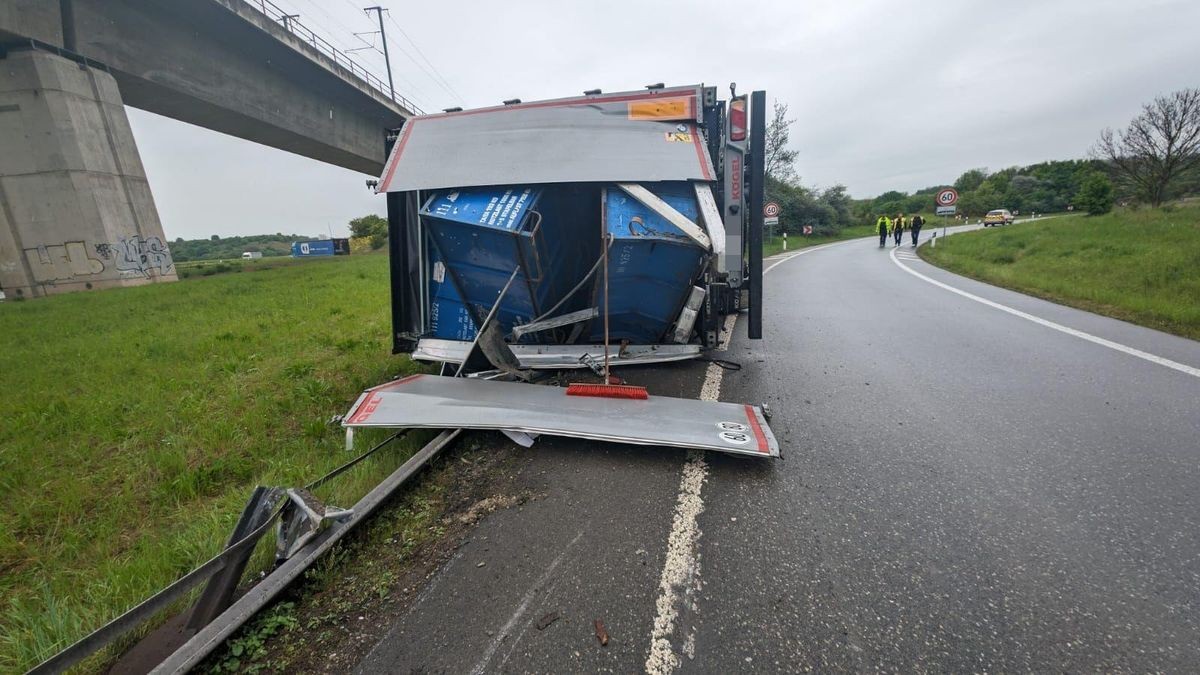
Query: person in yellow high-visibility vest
{"x": 898, "y": 228}
{"x": 883, "y": 227}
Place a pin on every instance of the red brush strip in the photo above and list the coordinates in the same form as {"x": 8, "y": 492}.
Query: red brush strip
{"x": 608, "y": 391}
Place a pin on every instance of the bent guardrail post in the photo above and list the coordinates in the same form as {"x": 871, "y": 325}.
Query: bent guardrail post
{"x": 211, "y": 636}
{"x": 304, "y": 516}
{"x": 137, "y": 615}
{"x": 219, "y": 592}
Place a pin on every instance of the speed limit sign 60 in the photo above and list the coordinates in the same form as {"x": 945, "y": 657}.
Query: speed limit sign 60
{"x": 771, "y": 209}
{"x": 947, "y": 197}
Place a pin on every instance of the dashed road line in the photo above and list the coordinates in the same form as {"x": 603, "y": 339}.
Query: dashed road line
{"x": 682, "y": 567}
{"x": 1152, "y": 358}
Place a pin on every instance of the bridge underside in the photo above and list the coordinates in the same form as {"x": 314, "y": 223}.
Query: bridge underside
{"x": 75, "y": 208}
{"x": 74, "y": 189}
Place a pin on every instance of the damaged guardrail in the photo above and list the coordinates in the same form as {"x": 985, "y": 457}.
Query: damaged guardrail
{"x": 309, "y": 529}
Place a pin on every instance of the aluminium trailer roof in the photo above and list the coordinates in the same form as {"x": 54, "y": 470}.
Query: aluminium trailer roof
{"x": 436, "y": 402}
{"x": 637, "y": 136}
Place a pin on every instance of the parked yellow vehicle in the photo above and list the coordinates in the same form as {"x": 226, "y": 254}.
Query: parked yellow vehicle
{"x": 998, "y": 217}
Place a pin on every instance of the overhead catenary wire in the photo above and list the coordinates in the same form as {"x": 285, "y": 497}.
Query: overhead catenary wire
{"x": 411, "y": 90}
{"x": 422, "y": 68}
{"x": 442, "y": 83}
{"x": 449, "y": 87}
{"x": 421, "y": 97}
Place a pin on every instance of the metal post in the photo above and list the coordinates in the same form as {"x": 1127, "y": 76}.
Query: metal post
{"x": 387, "y": 60}
{"x": 218, "y": 594}
{"x": 287, "y": 21}
{"x": 488, "y": 319}
{"x": 758, "y": 137}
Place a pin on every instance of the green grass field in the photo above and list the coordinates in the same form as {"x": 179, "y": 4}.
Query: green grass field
{"x": 774, "y": 245}
{"x": 136, "y": 421}
{"x": 1141, "y": 266}
{"x": 208, "y": 268}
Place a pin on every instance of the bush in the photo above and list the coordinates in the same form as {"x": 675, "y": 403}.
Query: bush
{"x": 1095, "y": 194}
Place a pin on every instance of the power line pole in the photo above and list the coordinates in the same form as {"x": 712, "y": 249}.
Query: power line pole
{"x": 383, "y": 38}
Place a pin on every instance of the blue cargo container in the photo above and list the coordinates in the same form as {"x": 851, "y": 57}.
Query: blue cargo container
{"x": 483, "y": 234}
{"x": 449, "y": 317}
{"x": 652, "y": 265}
{"x": 306, "y": 249}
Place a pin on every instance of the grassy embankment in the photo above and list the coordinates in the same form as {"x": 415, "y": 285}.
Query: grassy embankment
{"x": 208, "y": 268}
{"x": 136, "y": 421}
{"x": 1141, "y": 266}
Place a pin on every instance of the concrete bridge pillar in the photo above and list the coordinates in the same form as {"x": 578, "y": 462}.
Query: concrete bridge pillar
{"x": 75, "y": 207}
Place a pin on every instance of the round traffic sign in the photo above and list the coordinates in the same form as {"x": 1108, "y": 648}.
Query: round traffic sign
{"x": 947, "y": 197}
{"x": 771, "y": 209}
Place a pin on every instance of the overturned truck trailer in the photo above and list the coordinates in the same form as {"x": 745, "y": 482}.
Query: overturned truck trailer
{"x": 632, "y": 219}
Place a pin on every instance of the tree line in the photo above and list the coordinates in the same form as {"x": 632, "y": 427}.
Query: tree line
{"x": 1155, "y": 159}
{"x": 1046, "y": 187}
{"x": 225, "y": 248}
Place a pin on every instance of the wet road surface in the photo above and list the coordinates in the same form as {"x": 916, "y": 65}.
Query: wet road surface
{"x": 963, "y": 489}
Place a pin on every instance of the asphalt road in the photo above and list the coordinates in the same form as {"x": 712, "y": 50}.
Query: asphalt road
{"x": 963, "y": 489}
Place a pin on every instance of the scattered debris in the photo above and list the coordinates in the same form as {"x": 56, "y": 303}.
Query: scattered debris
{"x": 481, "y": 563}
{"x": 601, "y": 633}
{"x": 544, "y": 622}
{"x": 520, "y": 437}
{"x": 485, "y": 506}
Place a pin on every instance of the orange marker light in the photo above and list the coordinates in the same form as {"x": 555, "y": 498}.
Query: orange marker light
{"x": 662, "y": 109}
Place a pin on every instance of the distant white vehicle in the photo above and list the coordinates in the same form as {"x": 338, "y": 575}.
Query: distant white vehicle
{"x": 251, "y": 255}
{"x": 998, "y": 217}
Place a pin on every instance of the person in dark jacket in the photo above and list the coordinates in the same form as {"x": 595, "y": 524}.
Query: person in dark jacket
{"x": 915, "y": 227}
{"x": 898, "y": 228}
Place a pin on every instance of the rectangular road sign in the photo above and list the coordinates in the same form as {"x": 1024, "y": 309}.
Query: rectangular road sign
{"x": 946, "y": 210}
{"x": 771, "y": 221}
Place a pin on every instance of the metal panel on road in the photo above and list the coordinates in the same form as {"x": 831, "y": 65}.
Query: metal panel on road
{"x": 434, "y": 402}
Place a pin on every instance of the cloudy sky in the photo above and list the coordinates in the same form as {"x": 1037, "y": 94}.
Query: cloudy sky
{"x": 886, "y": 94}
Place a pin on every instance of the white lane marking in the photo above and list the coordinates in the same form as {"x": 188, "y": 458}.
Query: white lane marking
{"x": 682, "y": 566}
{"x": 1175, "y": 365}
{"x": 801, "y": 252}
{"x": 523, "y": 607}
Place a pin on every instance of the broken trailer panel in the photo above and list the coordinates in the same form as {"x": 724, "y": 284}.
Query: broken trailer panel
{"x": 435, "y": 402}
{"x": 658, "y": 176}
{"x": 588, "y": 232}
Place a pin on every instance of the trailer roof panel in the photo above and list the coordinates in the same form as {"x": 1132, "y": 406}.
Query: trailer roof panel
{"x": 629, "y": 137}
{"x": 435, "y": 402}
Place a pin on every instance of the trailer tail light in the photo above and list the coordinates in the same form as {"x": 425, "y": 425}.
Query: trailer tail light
{"x": 737, "y": 119}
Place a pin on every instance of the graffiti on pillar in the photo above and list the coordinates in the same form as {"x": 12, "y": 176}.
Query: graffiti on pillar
{"x": 145, "y": 256}
{"x": 62, "y": 263}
